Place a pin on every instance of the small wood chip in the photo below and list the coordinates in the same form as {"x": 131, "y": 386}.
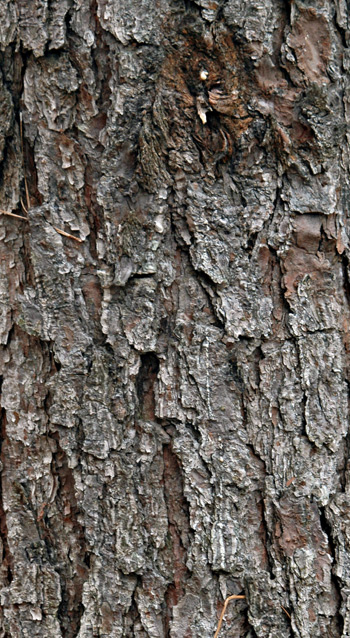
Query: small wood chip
{"x": 290, "y": 481}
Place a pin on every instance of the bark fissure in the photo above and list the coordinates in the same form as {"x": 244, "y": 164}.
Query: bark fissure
{"x": 179, "y": 532}
{"x": 336, "y": 582}
{"x": 7, "y": 558}
{"x": 56, "y": 530}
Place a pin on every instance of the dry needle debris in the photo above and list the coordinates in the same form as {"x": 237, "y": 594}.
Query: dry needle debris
{"x": 63, "y": 232}
{"x": 6, "y": 212}
{"x": 58, "y": 230}
{"x": 234, "y": 597}
{"x": 26, "y": 208}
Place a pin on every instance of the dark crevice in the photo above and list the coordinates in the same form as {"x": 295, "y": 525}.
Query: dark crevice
{"x": 132, "y": 619}
{"x": 209, "y": 287}
{"x": 6, "y": 558}
{"x": 282, "y": 297}
{"x": 277, "y": 199}
{"x": 178, "y": 532}
{"x": 345, "y": 465}
{"x": 11, "y": 67}
{"x": 145, "y": 381}
{"x": 236, "y": 374}
{"x": 346, "y": 342}
{"x": 206, "y": 283}
{"x": 55, "y": 364}
{"x": 343, "y": 33}
{"x": 61, "y": 531}
{"x": 30, "y": 174}
{"x": 346, "y": 269}
{"x": 337, "y": 585}
{"x": 304, "y": 395}
{"x": 257, "y": 357}
{"x": 258, "y": 458}
{"x": 268, "y": 540}
{"x": 97, "y": 58}
{"x": 141, "y": 275}
{"x": 251, "y": 243}
{"x": 304, "y": 420}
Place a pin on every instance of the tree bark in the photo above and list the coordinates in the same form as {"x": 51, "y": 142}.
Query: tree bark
{"x": 175, "y": 384}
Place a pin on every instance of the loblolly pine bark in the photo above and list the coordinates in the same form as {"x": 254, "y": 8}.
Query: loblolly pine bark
{"x": 174, "y": 390}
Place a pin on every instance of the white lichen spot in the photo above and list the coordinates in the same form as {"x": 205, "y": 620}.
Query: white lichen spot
{"x": 36, "y": 613}
{"x": 89, "y": 38}
{"x": 202, "y": 108}
{"x": 159, "y": 224}
{"x": 203, "y": 116}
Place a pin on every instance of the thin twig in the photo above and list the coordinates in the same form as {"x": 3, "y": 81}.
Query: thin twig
{"x": 5, "y": 212}
{"x": 223, "y": 612}
{"x": 63, "y": 232}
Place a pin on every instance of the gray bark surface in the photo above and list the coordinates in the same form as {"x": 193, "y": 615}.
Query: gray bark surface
{"x": 174, "y": 387}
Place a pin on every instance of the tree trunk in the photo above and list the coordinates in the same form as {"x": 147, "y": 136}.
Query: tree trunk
{"x": 174, "y": 318}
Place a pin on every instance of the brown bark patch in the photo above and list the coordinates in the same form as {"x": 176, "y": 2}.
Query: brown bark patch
{"x": 290, "y": 530}
{"x": 201, "y": 94}
{"x": 297, "y": 264}
{"x": 308, "y": 231}
{"x": 93, "y": 296}
{"x": 310, "y": 40}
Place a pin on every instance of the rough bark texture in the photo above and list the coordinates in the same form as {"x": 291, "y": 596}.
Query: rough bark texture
{"x": 175, "y": 387}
